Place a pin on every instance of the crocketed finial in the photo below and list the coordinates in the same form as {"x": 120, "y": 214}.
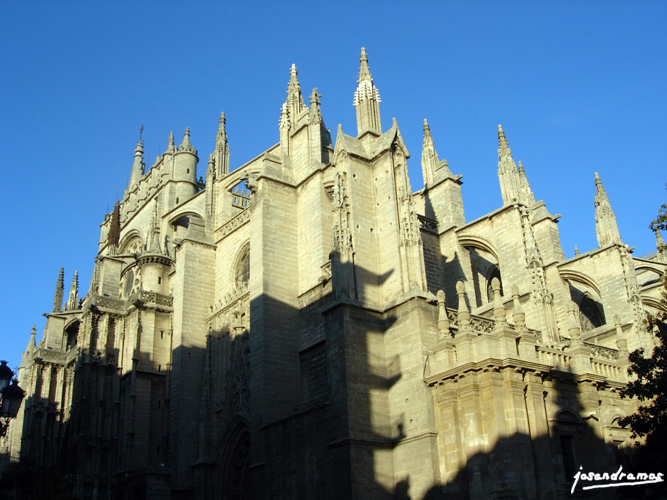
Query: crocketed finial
{"x": 428, "y": 138}
{"x": 364, "y": 71}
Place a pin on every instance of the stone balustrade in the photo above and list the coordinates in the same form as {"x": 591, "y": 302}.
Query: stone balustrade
{"x": 483, "y": 337}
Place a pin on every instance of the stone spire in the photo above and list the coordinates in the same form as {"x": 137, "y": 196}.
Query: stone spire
{"x": 186, "y": 145}
{"x": 60, "y": 289}
{"x": 30, "y": 348}
{"x": 153, "y": 245}
{"x": 171, "y": 145}
{"x": 32, "y": 343}
{"x": 429, "y": 155}
{"x": 605, "y": 220}
{"x": 113, "y": 236}
{"x": 222, "y": 148}
{"x": 137, "y": 167}
{"x": 433, "y": 168}
{"x": 73, "y": 300}
{"x": 510, "y": 188}
{"x": 94, "y": 286}
{"x": 294, "y": 100}
{"x": 367, "y": 100}
{"x": 527, "y": 195}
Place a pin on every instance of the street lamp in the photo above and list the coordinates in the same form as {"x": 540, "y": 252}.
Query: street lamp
{"x": 6, "y": 375}
{"x": 12, "y": 395}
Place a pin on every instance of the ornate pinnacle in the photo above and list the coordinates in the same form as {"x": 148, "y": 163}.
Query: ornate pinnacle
{"x": 576, "y": 250}
{"x": 294, "y": 97}
{"x": 428, "y": 138}
{"x": 528, "y": 196}
{"x": 293, "y": 84}
{"x": 511, "y": 188}
{"x": 60, "y": 288}
{"x": 154, "y": 235}
{"x": 366, "y": 88}
{"x": 221, "y": 138}
{"x": 33, "y": 337}
{"x": 170, "y": 143}
{"x": 599, "y": 188}
{"x": 605, "y": 220}
{"x": 113, "y": 236}
{"x": 367, "y": 100}
{"x": 186, "y": 145}
{"x": 502, "y": 142}
{"x": 31, "y": 347}
{"x": 137, "y": 166}
{"x": 364, "y": 71}
{"x": 221, "y": 160}
{"x": 73, "y": 300}
{"x": 429, "y": 156}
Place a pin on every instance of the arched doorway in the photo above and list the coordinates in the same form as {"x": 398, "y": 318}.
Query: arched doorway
{"x": 231, "y": 471}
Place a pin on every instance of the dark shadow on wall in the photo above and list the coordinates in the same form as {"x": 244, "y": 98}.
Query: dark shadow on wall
{"x": 329, "y": 435}
{"x": 89, "y": 445}
{"x": 545, "y": 465}
{"x": 25, "y": 480}
{"x": 318, "y": 440}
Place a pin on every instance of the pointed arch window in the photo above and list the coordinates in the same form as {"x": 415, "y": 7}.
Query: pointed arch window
{"x": 242, "y": 269}
{"x": 72, "y": 333}
{"x": 590, "y": 314}
{"x": 484, "y": 267}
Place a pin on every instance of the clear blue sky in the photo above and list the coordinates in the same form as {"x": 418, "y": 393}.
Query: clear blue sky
{"x": 579, "y": 87}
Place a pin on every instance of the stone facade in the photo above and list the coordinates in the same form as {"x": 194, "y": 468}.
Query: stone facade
{"x": 307, "y": 326}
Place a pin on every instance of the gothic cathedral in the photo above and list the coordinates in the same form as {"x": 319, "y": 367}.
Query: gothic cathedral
{"x": 308, "y": 326}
